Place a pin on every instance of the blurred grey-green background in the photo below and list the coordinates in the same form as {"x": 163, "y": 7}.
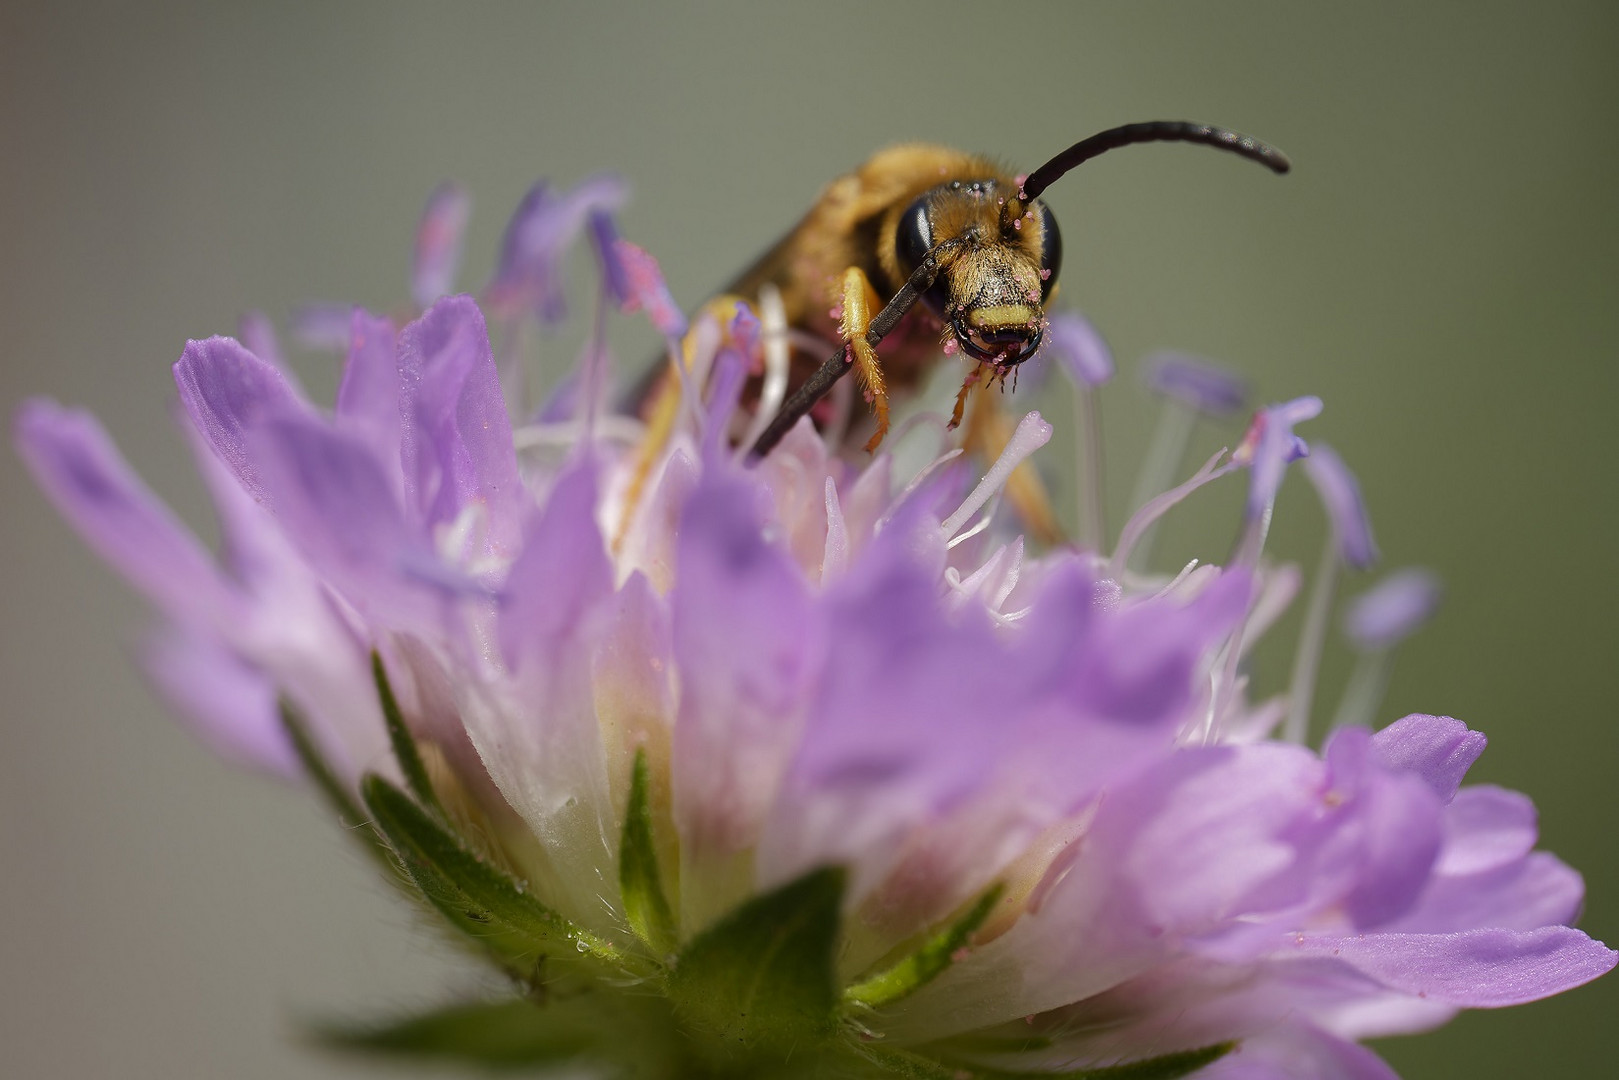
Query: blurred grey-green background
{"x": 1442, "y": 267}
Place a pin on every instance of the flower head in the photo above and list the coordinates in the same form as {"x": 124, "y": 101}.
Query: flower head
{"x": 812, "y": 763}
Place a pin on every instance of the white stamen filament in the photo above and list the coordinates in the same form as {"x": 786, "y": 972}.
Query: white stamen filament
{"x": 975, "y": 528}
{"x": 916, "y": 481}
{"x": 1177, "y": 580}
{"x": 1170, "y": 438}
{"x": 773, "y": 391}
{"x": 1089, "y": 469}
{"x": 836, "y": 554}
{"x": 702, "y": 343}
{"x": 1157, "y": 507}
{"x": 1312, "y": 639}
{"x": 1032, "y": 433}
{"x": 609, "y": 426}
{"x": 1365, "y": 689}
{"x": 595, "y": 366}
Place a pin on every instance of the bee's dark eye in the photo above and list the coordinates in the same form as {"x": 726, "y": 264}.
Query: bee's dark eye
{"x": 1050, "y": 252}
{"x": 913, "y": 239}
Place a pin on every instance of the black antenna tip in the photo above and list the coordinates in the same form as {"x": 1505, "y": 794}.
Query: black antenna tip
{"x": 1155, "y": 131}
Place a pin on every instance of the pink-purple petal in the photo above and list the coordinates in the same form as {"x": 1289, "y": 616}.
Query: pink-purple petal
{"x": 1486, "y": 827}
{"x": 456, "y": 440}
{"x": 1537, "y": 890}
{"x": 1298, "y": 1051}
{"x": 230, "y": 705}
{"x": 225, "y": 390}
{"x": 368, "y": 394}
{"x": 82, "y": 473}
{"x": 1388, "y": 829}
{"x": 1437, "y": 748}
{"x": 1476, "y": 969}
{"x": 333, "y": 499}
{"x": 750, "y": 644}
{"x": 560, "y": 578}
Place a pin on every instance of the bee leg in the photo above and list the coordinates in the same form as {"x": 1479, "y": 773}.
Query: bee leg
{"x": 967, "y": 385}
{"x": 860, "y": 304}
{"x": 988, "y": 431}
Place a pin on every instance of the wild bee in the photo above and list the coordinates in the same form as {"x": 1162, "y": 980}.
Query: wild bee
{"x": 957, "y": 232}
{"x": 967, "y": 256}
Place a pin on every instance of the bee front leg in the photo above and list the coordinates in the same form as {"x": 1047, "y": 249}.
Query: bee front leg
{"x": 860, "y": 304}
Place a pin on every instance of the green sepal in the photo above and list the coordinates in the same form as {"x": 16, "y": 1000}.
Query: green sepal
{"x": 645, "y": 904}
{"x": 404, "y": 743}
{"x": 928, "y": 962}
{"x": 913, "y": 1066}
{"x": 476, "y": 897}
{"x": 764, "y": 977}
{"x": 630, "y": 1034}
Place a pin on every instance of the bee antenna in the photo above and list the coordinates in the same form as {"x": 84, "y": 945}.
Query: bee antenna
{"x": 1154, "y": 131}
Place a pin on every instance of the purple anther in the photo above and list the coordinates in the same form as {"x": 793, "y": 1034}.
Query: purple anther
{"x": 1077, "y": 344}
{"x": 1392, "y": 609}
{"x": 1195, "y": 381}
{"x": 1340, "y": 495}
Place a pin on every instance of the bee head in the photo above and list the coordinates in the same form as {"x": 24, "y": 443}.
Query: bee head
{"x": 993, "y": 291}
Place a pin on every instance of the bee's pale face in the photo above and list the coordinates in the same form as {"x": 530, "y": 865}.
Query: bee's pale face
{"x": 992, "y": 294}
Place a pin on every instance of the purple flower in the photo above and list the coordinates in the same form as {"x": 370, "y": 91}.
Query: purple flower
{"x": 665, "y": 692}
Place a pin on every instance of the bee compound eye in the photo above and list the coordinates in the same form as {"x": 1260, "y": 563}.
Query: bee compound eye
{"x": 1050, "y": 251}
{"x": 914, "y": 236}
{"x": 913, "y": 240}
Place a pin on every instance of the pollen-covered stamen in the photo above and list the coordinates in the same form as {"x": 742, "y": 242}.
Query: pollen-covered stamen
{"x": 1267, "y": 449}
{"x": 1376, "y": 622}
{"x": 1032, "y": 433}
{"x": 437, "y": 257}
